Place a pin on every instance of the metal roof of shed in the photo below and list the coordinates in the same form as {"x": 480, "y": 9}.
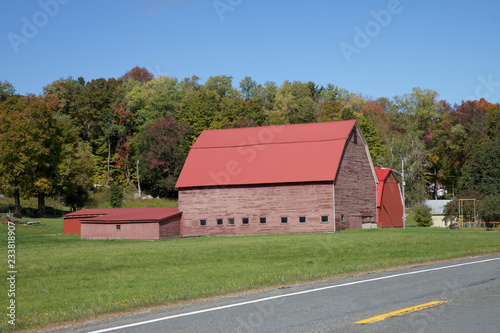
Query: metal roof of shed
{"x": 124, "y": 215}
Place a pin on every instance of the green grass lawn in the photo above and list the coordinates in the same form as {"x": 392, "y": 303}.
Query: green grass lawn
{"x": 61, "y": 277}
{"x": 98, "y": 200}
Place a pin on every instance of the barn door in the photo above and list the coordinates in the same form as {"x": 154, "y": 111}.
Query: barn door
{"x": 356, "y": 222}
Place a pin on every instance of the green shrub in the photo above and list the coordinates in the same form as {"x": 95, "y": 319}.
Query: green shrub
{"x": 423, "y": 216}
{"x": 489, "y": 210}
{"x": 115, "y": 196}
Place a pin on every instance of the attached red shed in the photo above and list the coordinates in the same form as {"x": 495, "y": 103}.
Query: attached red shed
{"x": 314, "y": 177}
{"x": 72, "y": 221}
{"x": 125, "y": 223}
{"x": 389, "y": 200}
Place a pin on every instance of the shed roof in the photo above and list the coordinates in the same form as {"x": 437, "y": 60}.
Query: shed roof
{"x": 124, "y": 215}
{"x": 436, "y": 206}
{"x": 264, "y": 155}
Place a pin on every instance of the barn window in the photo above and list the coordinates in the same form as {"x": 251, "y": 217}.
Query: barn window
{"x": 220, "y": 222}
{"x": 302, "y": 219}
{"x": 118, "y": 227}
{"x": 203, "y": 223}
{"x": 355, "y": 135}
{"x": 230, "y": 221}
{"x": 342, "y": 218}
{"x": 284, "y": 219}
{"x": 244, "y": 220}
{"x": 324, "y": 218}
{"x": 262, "y": 220}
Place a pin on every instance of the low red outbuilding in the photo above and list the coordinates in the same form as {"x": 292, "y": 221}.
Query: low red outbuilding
{"x": 389, "y": 200}
{"x": 124, "y": 223}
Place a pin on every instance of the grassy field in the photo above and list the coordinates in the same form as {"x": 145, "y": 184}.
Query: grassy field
{"x": 98, "y": 200}
{"x": 61, "y": 277}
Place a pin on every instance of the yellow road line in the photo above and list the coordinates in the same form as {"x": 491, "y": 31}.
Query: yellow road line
{"x": 399, "y": 312}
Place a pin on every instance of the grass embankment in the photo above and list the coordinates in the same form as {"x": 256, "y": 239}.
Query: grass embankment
{"x": 61, "y": 277}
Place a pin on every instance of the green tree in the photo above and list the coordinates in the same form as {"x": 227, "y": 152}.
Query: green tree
{"x": 482, "y": 171}
{"x": 6, "y": 90}
{"x": 66, "y": 91}
{"x": 333, "y": 93}
{"x": 115, "y": 195}
{"x": 96, "y": 122}
{"x": 75, "y": 175}
{"x": 416, "y": 112}
{"x": 153, "y": 100}
{"x": 294, "y": 100}
{"x": 31, "y": 146}
{"x": 423, "y": 216}
{"x": 489, "y": 209}
{"x": 199, "y": 111}
{"x": 221, "y": 84}
{"x": 190, "y": 85}
{"x": 247, "y": 86}
{"x": 235, "y": 112}
{"x": 463, "y": 129}
{"x": 371, "y": 135}
{"x": 265, "y": 95}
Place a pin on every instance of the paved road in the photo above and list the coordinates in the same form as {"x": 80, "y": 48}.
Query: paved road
{"x": 472, "y": 287}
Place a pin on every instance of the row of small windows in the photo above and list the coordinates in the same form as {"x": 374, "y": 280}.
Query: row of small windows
{"x": 262, "y": 220}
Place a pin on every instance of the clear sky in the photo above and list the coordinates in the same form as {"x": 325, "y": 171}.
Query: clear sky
{"x": 376, "y": 48}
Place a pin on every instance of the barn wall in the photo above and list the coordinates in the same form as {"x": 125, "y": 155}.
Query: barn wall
{"x": 171, "y": 227}
{"x": 127, "y": 231}
{"x": 71, "y": 226}
{"x": 355, "y": 187}
{"x": 391, "y": 207}
{"x": 311, "y": 200}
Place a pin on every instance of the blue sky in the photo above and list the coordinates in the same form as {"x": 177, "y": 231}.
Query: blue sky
{"x": 376, "y": 48}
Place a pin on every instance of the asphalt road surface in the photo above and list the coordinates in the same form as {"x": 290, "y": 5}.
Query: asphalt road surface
{"x": 470, "y": 286}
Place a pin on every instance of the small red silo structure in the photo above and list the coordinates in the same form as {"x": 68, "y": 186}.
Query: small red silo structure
{"x": 389, "y": 200}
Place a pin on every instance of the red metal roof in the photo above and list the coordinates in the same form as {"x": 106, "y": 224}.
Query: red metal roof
{"x": 382, "y": 174}
{"x": 86, "y": 212}
{"x": 268, "y": 154}
{"x": 125, "y": 215}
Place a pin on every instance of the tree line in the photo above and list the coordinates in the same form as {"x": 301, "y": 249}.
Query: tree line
{"x": 135, "y": 131}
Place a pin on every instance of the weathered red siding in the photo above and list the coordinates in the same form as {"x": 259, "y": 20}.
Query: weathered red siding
{"x": 355, "y": 187}
{"x": 171, "y": 227}
{"x": 310, "y": 200}
{"x": 140, "y": 230}
{"x": 391, "y": 208}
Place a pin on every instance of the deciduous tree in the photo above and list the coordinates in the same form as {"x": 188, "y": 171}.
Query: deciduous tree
{"x": 137, "y": 73}
{"x": 295, "y": 101}
{"x": 162, "y": 149}
{"x": 31, "y": 142}
{"x": 6, "y": 90}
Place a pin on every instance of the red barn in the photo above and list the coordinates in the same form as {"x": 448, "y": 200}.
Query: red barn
{"x": 315, "y": 177}
{"x": 124, "y": 223}
{"x": 389, "y": 200}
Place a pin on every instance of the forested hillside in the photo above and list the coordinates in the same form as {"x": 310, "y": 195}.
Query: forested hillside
{"x": 136, "y": 131}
